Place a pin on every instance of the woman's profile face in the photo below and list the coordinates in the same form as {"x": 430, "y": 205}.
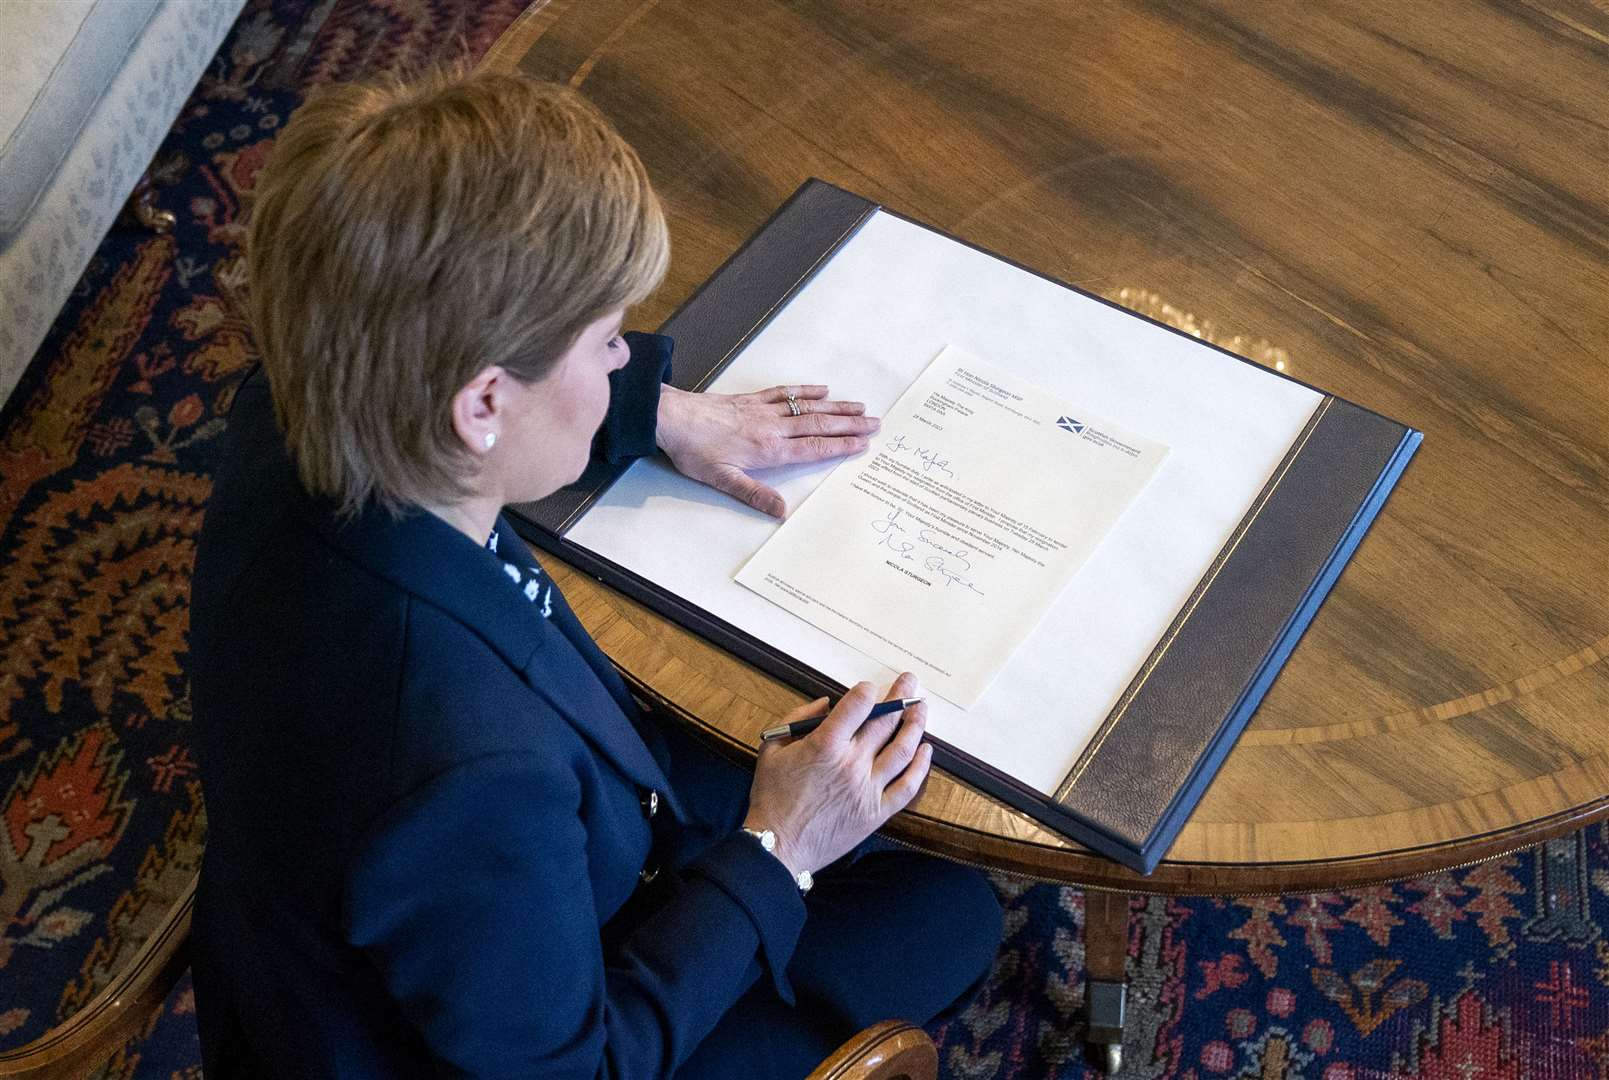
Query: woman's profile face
{"x": 564, "y": 409}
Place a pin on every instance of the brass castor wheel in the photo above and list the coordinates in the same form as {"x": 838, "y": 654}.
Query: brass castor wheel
{"x": 1107, "y": 1003}
{"x": 142, "y": 212}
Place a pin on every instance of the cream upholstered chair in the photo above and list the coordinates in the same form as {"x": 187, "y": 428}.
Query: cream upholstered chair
{"x": 892, "y": 1050}
{"x": 88, "y": 90}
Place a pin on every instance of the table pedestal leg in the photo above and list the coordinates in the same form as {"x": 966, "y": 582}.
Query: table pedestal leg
{"x": 1106, "y": 941}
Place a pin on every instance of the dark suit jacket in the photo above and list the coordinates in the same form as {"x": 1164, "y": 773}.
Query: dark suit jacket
{"x": 427, "y": 805}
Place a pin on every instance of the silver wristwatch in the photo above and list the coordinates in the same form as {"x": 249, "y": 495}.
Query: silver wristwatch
{"x": 768, "y": 840}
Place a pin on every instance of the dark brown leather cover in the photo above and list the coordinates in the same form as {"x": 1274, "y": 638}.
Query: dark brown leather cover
{"x": 1134, "y": 787}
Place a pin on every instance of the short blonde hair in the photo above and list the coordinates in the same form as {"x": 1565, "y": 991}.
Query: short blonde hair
{"x": 406, "y": 236}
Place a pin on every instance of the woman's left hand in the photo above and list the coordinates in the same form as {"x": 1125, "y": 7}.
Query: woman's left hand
{"x": 716, "y": 438}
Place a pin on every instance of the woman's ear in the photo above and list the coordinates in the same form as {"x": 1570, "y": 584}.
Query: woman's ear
{"x": 478, "y": 410}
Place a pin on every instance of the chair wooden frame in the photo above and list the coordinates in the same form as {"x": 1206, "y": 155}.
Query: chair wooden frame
{"x": 76, "y": 1046}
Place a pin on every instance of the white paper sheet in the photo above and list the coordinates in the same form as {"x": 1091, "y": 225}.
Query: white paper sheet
{"x": 867, "y": 324}
{"x": 942, "y": 547}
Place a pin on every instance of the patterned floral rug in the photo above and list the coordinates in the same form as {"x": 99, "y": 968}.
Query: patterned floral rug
{"x": 106, "y": 447}
{"x": 1494, "y": 971}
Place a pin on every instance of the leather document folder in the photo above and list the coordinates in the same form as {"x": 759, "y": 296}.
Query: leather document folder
{"x": 1177, "y": 705}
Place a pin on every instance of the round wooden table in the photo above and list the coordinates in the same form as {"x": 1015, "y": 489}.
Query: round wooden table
{"x": 1405, "y": 205}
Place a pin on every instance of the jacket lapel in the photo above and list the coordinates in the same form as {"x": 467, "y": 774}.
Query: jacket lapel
{"x": 441, "y": 566}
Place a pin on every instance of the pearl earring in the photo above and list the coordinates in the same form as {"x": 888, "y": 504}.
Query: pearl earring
{"x": 491, "y": 439}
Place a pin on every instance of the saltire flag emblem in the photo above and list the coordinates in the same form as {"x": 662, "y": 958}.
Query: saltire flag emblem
{"x": 1067, "y": 423}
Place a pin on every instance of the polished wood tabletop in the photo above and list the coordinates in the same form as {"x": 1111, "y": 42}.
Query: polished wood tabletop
{"x": 1403, "y": 204}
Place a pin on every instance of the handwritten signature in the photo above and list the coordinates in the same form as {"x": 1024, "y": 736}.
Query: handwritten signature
{"x": 932, "y": 460}
{"x": 891, "y": 535}
{"x": 936, "y": 564}
{"x": 932, "y": 543}
{"x": 886, "y": 528}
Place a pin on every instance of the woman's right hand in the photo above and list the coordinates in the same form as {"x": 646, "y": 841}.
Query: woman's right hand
{"x": 825, "y": 792}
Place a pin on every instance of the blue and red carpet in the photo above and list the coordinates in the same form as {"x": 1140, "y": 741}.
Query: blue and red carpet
{"x": 1495, "y": 971}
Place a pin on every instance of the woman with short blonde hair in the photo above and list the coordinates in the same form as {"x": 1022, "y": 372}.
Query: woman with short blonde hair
{"x": 443, "y": 837}
{"x": 470, "y": 196}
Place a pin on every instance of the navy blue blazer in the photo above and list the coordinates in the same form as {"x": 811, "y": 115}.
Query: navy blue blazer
{"x": 427, "y": 805}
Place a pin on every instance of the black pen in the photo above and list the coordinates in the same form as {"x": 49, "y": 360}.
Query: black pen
{"x": 806, "y": 726}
